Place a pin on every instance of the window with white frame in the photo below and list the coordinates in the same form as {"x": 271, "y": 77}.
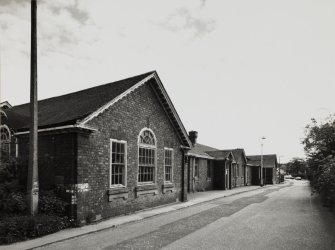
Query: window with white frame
{"x": 168, "y": 163}
{"x": 146, "y": 156}
{"x": 118, "y": 165}
{"x": 5, "y": 139}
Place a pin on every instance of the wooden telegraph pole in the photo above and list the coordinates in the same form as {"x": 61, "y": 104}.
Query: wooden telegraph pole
{"x": 32, "y": 183}
{"x": 1, "y": 112}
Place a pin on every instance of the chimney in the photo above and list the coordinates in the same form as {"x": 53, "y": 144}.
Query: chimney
{"x": 193, "y": 135}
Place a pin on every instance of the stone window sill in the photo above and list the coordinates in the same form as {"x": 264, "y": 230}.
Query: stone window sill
{"x": 168, "y": 187}
{"x": 117, "y": 193}
{"x": 146, "y": 189}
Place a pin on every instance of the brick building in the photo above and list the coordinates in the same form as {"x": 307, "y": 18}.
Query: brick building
{"x": 210, "y": 168}
{"x": 239, "y": 171}
{"x": 115, "y": 148}
{"x": 270, "y": 167}
{"x": 121, "y": 147}
{"x": 200, "y": 175}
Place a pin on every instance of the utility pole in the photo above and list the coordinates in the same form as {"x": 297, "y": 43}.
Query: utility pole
{"x": 32, "y": 182}
{"x": 279, "y": 167}
{"x": 262, "y": 166}
{"x": 1, "y": 112}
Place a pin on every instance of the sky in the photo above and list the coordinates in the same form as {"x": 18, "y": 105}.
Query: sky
{"x": 235, "y": 70}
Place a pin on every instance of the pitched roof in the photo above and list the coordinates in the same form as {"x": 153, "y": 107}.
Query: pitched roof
{"x": 221, "y": 154}
{"x": 269, "y": 161}
{"x": 67, "y": 109}
{"x": 78, "y": 107}
{"x": 237, "y": 152}
{"x": 200, "y": 150}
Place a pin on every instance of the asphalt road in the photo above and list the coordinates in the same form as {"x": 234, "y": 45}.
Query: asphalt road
{"x": 274, "y": 217}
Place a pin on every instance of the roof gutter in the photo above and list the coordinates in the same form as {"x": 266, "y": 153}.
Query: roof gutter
{"x": 201, "y": 156}
{"x": 185, "y": 147}
{"x": 57, "y": 128}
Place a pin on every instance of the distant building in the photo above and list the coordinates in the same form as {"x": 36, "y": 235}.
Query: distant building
{"x": 212, "y": 168}
{"x": 270, "y": 167}
{"x": 200, "y": 174}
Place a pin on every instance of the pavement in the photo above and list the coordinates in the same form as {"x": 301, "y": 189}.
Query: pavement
{"x": 193, "y": 199}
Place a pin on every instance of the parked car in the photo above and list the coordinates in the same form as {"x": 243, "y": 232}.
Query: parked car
{"x": 298, "y": 178}
{"x": 288, "y": 177}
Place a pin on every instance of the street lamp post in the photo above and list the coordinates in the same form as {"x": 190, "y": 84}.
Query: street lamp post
{"x": 262, "y": 181}
{"x": 279, "y": 167}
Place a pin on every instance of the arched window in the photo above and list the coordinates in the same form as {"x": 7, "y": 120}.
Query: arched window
{"x": 5, "y": 138}
{"x": 147, "y": 138}
{"x": 146, "y": 156}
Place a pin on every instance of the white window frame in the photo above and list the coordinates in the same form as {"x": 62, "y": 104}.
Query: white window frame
{"x": 125, "y": 164}
{"x": 172, "y": 164}
{"x": 148, "y": 146}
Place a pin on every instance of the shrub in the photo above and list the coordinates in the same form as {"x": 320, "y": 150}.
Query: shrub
{"x": 319, "y": 144}
{"x": 12, "y": 199}
{"x": 16, "y": 203}
{"x": 13, "y": 203}
{"x": 18, "y": 228}
{"x": 50, "y": 203}
{"x": 8, "y": 167}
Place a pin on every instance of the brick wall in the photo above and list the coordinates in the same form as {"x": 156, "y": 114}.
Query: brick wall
{"x": 249, "y": 175}
{"x": 240, "y": 177}
{"x": 124, "y": 121}
{"x": 240, "y": 171}
{"x": 209, "y": 177}
{"x": 56, "y": 159}
{"x": 202, "y": 182}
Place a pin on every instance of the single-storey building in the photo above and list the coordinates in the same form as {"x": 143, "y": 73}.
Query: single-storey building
{"x": 200, "y": 176}
{"x": 240, "y": 174}
{"x": 121, "y": 147}
{"x": 115, "y": 148}
{"x": 211, "y": 168}
{"x": 270, "y": 166}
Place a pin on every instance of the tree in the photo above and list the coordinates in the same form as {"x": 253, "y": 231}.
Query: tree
{"x": 2, "y": 113}
{"x": 296, "y": 167}
{"x": 319, "y": 144}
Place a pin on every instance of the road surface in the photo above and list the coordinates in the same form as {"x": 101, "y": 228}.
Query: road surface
{"x": 274, "y": 217}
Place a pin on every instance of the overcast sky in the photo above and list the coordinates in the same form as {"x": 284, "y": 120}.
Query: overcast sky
{"x": 235, "y": 70}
